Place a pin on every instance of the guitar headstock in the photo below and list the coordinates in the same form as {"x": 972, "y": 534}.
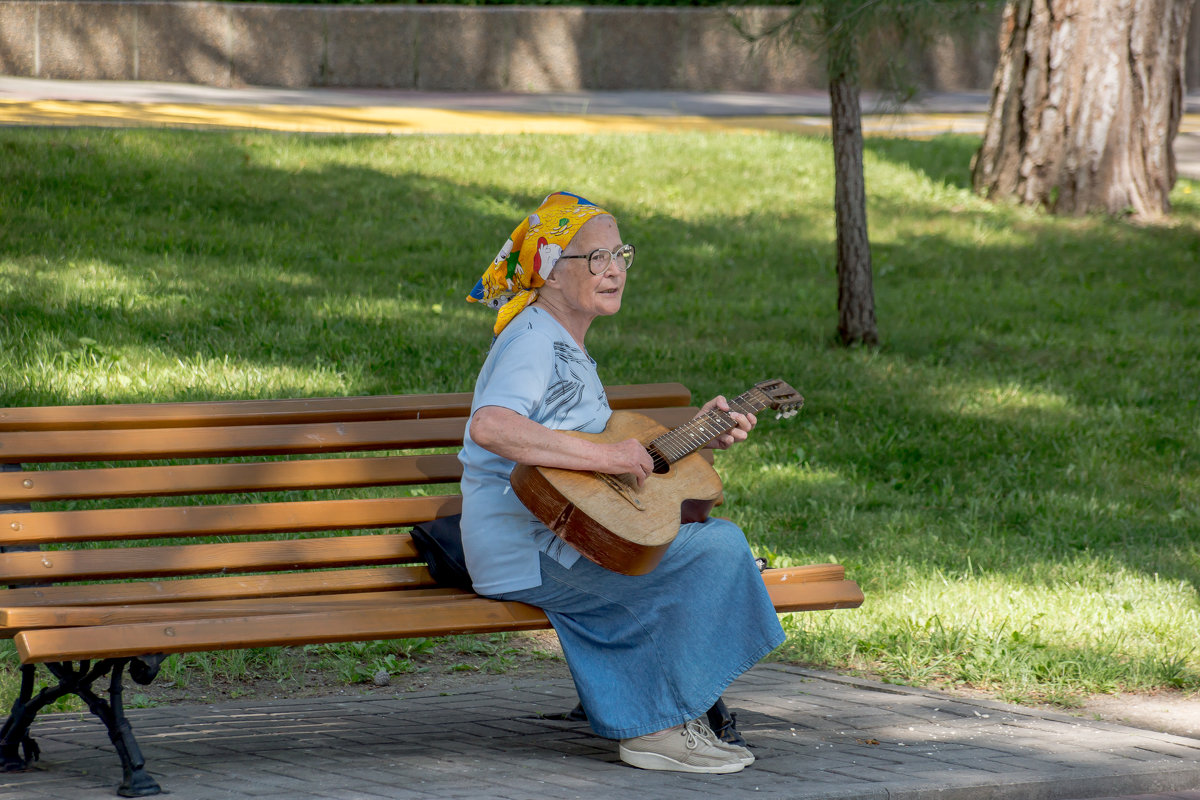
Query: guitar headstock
{"x": 781, "y": 397}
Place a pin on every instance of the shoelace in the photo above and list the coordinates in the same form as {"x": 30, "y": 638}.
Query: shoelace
{"x": 696, "y": 732}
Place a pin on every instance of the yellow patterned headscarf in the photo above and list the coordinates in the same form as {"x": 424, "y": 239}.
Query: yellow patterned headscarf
{"x": 511, "y": 283}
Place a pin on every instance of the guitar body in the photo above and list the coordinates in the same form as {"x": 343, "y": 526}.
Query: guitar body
{"x": 608, "y": 518}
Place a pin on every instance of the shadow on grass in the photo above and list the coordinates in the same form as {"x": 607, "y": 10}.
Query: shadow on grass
{"x": 945, "y": 160}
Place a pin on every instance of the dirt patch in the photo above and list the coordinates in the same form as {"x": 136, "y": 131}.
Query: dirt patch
{"x": 1168, "y": 712}
{"x": 443, "y": 666}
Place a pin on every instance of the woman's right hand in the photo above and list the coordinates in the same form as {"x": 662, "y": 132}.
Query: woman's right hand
{"x": 629, "y": 457}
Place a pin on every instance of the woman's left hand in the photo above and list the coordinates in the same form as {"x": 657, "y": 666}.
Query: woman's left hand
{"x": 745, "y": 423}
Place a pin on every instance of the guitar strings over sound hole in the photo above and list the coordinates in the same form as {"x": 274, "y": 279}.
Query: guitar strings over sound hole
{"x": 661, "y": 465}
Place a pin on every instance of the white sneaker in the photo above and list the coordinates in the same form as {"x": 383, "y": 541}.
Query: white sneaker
{"x": 689, "y": 748}
{"x": 743, "y": 753}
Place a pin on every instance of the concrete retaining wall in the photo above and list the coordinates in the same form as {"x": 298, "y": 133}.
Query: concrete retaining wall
{"x": 444, "y": 48}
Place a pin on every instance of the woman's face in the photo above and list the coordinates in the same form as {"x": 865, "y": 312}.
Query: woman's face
{"x": 580, "y": 291}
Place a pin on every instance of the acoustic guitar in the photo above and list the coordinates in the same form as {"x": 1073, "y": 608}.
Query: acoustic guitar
{"x": 612, "y": 521}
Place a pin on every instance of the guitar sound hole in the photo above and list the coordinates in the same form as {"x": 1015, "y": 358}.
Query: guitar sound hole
{"x": 661, "y": 465}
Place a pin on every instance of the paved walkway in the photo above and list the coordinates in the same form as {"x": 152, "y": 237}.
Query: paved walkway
{"x": 30, "y": 101}
{"x": 816, "y": 735}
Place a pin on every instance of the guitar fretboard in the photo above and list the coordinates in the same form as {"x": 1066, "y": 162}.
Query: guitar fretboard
{"x": 691, "y": 436}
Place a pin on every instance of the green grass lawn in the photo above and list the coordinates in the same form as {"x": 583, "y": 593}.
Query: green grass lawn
{"x": 1012, "y": 478}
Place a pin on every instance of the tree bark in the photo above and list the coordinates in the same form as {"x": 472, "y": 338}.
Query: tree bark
{"x": 1086, "y": 103}
{"x": 856, "y": 293}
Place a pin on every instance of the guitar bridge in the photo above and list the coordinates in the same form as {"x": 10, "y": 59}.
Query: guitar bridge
{"x": 620, "y": 484}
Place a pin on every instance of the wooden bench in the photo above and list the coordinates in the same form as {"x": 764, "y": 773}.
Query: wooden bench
{"x": 244, "y": 524}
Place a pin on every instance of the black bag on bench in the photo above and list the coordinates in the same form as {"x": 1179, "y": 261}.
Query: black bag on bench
{"x": 440, "y": 544}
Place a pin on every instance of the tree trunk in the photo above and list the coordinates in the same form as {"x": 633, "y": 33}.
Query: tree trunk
{"x": 856, "y": 293}
{"x": 1086, "y": 103}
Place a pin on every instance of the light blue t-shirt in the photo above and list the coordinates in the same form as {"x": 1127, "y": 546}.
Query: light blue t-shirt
{"x": 536, "y": 369}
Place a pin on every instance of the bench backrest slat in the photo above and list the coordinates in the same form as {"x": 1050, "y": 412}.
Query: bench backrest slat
{"x": 110, "y": 524}
{"x": 369, "y": 579}
{"x": 123, "y": 416}
{"x": 248, "y": 440}
{"x": 291, "y": 411}
{"x": 197, "y": 559}
{"x": 197, "y": 479}
{"x": 223, "y": 442}
{"x": 24, "y": 617}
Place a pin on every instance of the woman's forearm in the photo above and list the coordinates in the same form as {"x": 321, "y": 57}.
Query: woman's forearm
{"x": 516, "y": 437}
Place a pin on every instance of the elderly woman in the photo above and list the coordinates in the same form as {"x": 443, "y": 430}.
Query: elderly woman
{"x": 648, "y": 654}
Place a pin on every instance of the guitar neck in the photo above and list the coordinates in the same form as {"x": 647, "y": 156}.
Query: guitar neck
{"x": 691, "y": 436}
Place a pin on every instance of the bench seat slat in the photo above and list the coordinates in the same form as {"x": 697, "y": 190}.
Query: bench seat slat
{"x": 229, "y": 587}
{"x": 815, "y": 596}
{"x": 475, "y": 615}
{"x": 25, "y": 447}
{"x": 58, "y": 527}
{"x": 322, "y": 409}
{"x": 30, "y": 618}
{"x": 471, "y": 615}
{"x": 196, "y": 559}
{"x": 286, "y": 584}
{"x": 194, "y": 479}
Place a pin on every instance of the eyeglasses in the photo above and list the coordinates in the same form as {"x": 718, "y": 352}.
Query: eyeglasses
{"x": 599, "y": 259}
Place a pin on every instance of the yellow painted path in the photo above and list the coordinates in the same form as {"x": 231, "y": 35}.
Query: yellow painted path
{"x": 410, "y": 120}
{"x": 29, "y": 102}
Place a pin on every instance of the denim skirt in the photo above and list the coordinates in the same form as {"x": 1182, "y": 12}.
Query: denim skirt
{"x": 648, "y": 652}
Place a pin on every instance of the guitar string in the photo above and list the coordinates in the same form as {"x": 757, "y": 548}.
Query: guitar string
{"x": 675, "y": 444}
{"x": 681, "y": 446}
{"x": 682, "y": 441}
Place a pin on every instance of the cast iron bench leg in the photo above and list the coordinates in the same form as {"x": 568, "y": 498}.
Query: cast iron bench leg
{"x": 15, "y": 736}
{"x": 17, "y": 750}
{"x": 111, "y": 712}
